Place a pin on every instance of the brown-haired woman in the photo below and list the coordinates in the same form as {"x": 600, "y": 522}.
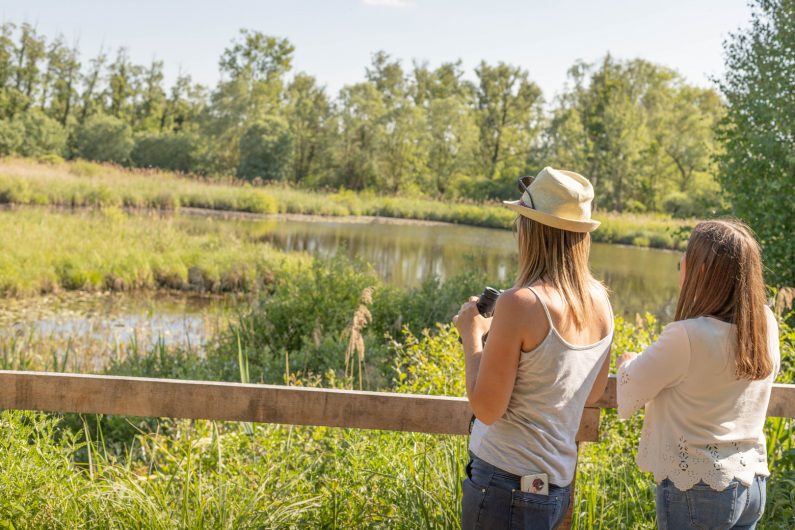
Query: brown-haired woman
{"x": 545, "y": 357}
{"x": 706, "y": 384}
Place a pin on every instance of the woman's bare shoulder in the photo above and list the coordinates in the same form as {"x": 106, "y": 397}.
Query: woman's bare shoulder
{"x": 518, "y": 298}
{"x": 520, "y": 303}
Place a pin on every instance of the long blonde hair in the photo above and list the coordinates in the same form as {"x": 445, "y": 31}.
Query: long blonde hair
{"x": 723, "y": 279}
{"x": 559, "y": 256}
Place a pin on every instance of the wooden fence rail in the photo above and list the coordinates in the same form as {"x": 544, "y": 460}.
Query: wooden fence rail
{"x": 170, "y": 398}
{"x": 138, "y": 396}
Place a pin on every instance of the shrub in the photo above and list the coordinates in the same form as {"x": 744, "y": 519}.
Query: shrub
{"x": 634, "y": 206}
{"x": 84, "y": 168}
{"x": 104, "y": 139}
{"x": 661, "y": 241}
{"x": 307, "y": 306}
{"x": 42, "y": 135}
{"x": 265, "y": 150}
{"x": 50, "y": 159}
{"x": 171, "y": 151}
{"x": 11, "y": 134}
{"x": 679, "y": 204}
{"x": 13, "y": 191}
{"x": 257, "y": 201}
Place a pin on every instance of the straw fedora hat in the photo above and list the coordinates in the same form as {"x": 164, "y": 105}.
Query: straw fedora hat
{"x": 557, "y": 198}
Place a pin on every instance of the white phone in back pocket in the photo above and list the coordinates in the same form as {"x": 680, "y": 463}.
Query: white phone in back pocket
{"x": 537, "y": 483}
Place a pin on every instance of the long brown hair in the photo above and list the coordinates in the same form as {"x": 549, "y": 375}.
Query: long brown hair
{"x": 559, "y": 256}
{"x": 723, "y": 279}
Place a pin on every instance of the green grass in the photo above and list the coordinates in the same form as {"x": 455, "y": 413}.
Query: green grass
{"x": 46, "y": 251}
{"x": 112, "y": 472}
{"x": 86, "y": 184}
{"x": 645, "y": 230}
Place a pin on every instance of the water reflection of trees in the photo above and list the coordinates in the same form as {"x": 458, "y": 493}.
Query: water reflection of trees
{"x": 639, "y": 279}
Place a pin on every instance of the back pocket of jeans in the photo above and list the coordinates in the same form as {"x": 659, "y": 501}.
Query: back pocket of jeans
{"x": 710, "y": 508}
{"x": 471, "y": 503}
{"x": 527, "y": 508}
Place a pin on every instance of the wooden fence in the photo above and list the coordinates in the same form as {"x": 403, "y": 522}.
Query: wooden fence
{"x": 137, "y": 396}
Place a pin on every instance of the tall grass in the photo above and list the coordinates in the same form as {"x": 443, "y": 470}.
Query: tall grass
{"x": 71, "y": 472}
{"x": 44, "y": 251}
{"x": 644, "y": 230}
{"x": 86, "y": 184}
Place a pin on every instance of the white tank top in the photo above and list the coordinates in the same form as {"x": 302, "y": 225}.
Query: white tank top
{"x": 536, "y": 433}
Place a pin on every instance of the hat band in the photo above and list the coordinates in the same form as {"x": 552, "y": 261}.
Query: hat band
{"x": 529, "y": 196}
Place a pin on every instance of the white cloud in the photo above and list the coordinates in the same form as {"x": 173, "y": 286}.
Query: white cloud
{"x": 389, "y": 3}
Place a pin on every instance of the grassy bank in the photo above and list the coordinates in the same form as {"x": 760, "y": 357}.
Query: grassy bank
{"x": 656, "y": 231}
{"x": 46, "y": 251}
{"x": 67, "y": 472}
{"x": 85, "y": 184}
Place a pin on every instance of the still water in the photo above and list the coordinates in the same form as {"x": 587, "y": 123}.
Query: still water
{"x": 403, "y": 254}
{"x": 406, "y": 254}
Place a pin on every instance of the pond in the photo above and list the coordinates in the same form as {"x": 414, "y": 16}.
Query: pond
{"x": 640, "y": 279}
{"x": 402, "y": 253}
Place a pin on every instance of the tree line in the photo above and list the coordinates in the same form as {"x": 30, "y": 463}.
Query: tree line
{"x": 638, "y": 130}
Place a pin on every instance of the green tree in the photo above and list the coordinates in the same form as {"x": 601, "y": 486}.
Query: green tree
{"x": 104, "y": 139}
{"x": 6, "y": 60}
{"x": 265, "y": 150}
{"x": 757, "y": 169}
{"x": 402, "y": 155}
{"x": 253, "y": 68}
{"x": 185, "y": 106}
{"x": 42, "y": 135}
{"x": 11, "y": 136}
{"x": 360, "y": 112}
{"x": 509, "y": 114}
{"x": 27, "y": 70}
{"x": 639, "y": 132}
{"x": 689, "y": 132}
{"x": 149, "y": 112}
{"x": 123, "y": 87}
{"x": 91, "y": 99}
{"x": 178, "y": 151}
{"x": 443, "y": 82}
{"x": 401, "y": 141}
{"x": 307, "y": 109}
{"x": 32, "y": 134}
{"x": 64, "y": 67}
{"x": 453, "y": 141}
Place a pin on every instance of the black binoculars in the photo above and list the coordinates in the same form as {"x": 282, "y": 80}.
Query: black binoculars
{"x": 485, "y": 305}
{"x": 487, "y": 301}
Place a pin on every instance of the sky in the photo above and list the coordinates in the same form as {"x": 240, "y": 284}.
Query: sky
{"x": 335, "y": 39}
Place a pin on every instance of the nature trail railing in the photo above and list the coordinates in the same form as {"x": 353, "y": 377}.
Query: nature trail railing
{"x": 137, "y": 396}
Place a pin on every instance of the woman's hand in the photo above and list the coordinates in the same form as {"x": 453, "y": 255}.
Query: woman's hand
{"x": 469, "y": 321}
{"x": 627, "y": 356}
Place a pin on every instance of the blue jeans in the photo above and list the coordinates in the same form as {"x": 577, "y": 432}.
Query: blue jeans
{"x": 492, "y": 499}
{"x": 737, "y": 506}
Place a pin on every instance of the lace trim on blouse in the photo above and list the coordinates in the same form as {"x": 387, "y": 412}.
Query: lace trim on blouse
{"x": 672, "y": 455}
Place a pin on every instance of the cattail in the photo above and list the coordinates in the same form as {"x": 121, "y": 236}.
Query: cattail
{"x": 785, "y": 299}
{"x": 361, "y": 317}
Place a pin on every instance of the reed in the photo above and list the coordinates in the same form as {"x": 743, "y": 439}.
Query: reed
{"x": 87, "y": 184}
{"x": 46, "y": 252}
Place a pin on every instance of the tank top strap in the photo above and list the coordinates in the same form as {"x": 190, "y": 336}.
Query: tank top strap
{"x": 544, "y": 305}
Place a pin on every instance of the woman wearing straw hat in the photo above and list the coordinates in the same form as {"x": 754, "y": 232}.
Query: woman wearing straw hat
{"x": 545, "y": 358}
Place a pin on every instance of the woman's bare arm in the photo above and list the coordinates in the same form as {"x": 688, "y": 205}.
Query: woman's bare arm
{"x": 491, "y": 371}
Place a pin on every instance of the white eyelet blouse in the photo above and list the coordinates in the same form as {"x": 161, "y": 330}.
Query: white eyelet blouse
{"x": 701, "y": 422}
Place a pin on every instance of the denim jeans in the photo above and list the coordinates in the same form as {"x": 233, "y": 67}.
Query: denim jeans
{"x": 492, "y": 499}
{"x": 737, "y": 506}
